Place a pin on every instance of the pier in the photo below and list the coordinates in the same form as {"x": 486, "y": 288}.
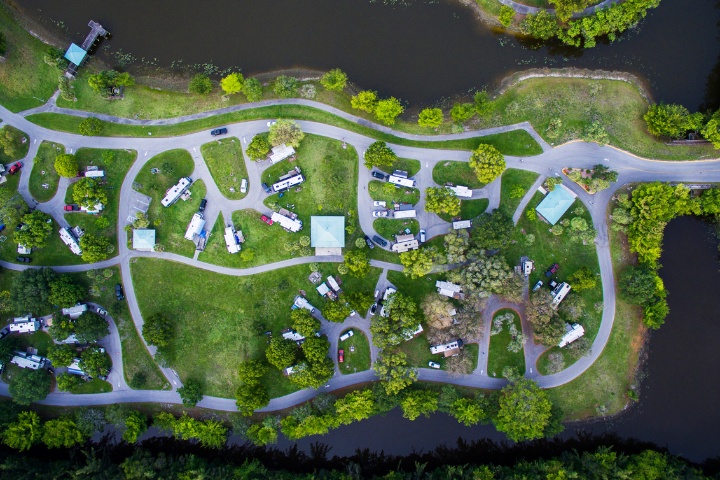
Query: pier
{"x": 77, "y": 55}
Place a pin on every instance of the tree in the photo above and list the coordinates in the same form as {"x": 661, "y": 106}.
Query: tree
{"x": 95, "y": 362}
{"x": 285, "y": 86}
{"x": 36, "y": 230}
{"x": 355, "y": 406}
{"x": 249, "y": 398}
{"x": 287, "y": 132}
{"x": 492, "y": 231}
{"x": 23, "y": 433}
{"x": 135, "y": 425}
{"x": 64, "y": 292}
{"x": 430, "y": 117}
{"x": 380, "y": 155}
{"x": 582, "y": 279}
{"x": 316, "y": 349}
{"x": 252, "y": 89}
{"x": 336, "y": 311}
{"x": 158, "y": 330}
{"x": 442, "y": 200}
{"x": 91, "y": 327}
{"x": 456, "y": 246}
{"x": 87, "y": 192}
{"x": 200, "y": 84}
{"x": 667, "y": 120}
{"x": 62, "y": 327}
{"x": 485, "y": 276}
{"x": 11, "y": 141}
{"x": 61, "y": 355}
{"x": 13, "y": 210}
{"x": 258, "y": 148}
{"x": 90, "y": 127}
{"x": 304, "y": 323}
{"x": 365, "y": 101}
{"x": 541, "y": 25}
{"x": 488, "y": 163}
{"x": 67, "y": 382}
{"x": 462, "y": 112}
{"x": 28, "y": 386}
{"x": 483, "y": 103}
{"x": 417, "y": 263}
{"x": 386, "y": 111}
{"x": 654, "y": 313}
{"x": 261, "y": 434}
{"x": 524, "y": 411}
{"x": 30, "y": 290}
{"x": 357, "y": 263}
{"x": 394, "y": 372}
{"x": 94, "y": 249}
{"x": 61, "y": 433}
{"x": 564, "y": 9}
{"x": 191, "y": 392}
{"x": 360, "y": 301}
{"x": 547, "y": 326}
{"x": 66, "y": 165}
{"x": 232, "y": 83}
{"x": 105, "y": 81}
{"x": 437, "y": 309}
{"x": 637, "y": 284}
{"x": 312, "y": 375}
{"x": 711, "y": 130}
{"x": 467, "y": 411}
{"x": 418, "y": 402}
{"x": 334, "y": 80}
{"x": 506, "y": 15}
{"x": 281, "y": 352}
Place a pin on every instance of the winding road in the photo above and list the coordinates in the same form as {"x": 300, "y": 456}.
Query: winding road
{"x": 575, "y": 154}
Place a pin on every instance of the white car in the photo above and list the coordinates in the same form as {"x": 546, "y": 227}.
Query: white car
{"x": 433, "y": 365}
{"x": 270, "y": 124}
{"x": 243, "y": 185}
{"x": 379, "y": 203}
{"x": 380, "y": 213}
{"x": 101, "y": 311}
{"x": 346, "y": 335}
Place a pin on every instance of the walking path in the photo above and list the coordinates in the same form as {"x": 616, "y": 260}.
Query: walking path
{"x": 578, "y": 154}
{"x": 526, "y": 9}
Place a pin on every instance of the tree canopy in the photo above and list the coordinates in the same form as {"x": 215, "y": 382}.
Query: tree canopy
{"x": 91, "y": 327}
{"x": 200, "y": 84}
{"x": 95, "y": 362}
{"x": 442, "y": 200}
{"x": 191, "y": 392}
{"x": 387, "y": 110}
{"x": 252, "y": 89}
{"x": 258, "y": 147}
{"x": 94, "y": 248}
{"x": 28, "y": 386}
{"x": 23, "y": 433}
{"x": 667, "y": 120}
{"x": 158, "y": 330}
{"x": 430, "y": 117}
{"x": 488, "y": 162}
{"x": 417, "y": 263}
{"x": 281, "y": 352}
{"x": 37, "y": 229}
{"x": 286, "y": 87}
{"x": 64, "y": 292}
{"x": 287, "y": 132}
{"x": 492, "y": 231}
{"x": 357, "y": 263}
{"x": 66, "y": 165}
{"x": 401, "y": 318}
{"x": 394, "y": 372}
{"x": 232, "y": 83}
{"x": 30, "y": 291}
{"x": 61, "y": 433}
{"x": 304, "y": 323}
{"x": 524, "y": 411}
{"x": 380, "y": 155}
{"x": 334, "y": 80}
{"x": 87, "y": 192}
{"x": 365, "y": 101}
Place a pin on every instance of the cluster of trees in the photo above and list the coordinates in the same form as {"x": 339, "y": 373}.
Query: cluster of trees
{"x": 310, "y": 362}
{"x": 285, "y": 131}
{"x": 379, "y": 155}
{"x": 463, "y": 112}
{"x": 251, "y": 394}
{"x": 488, "y": 162}
{"x": 36, "y": 230}
{"x": 89, "y": 327}
{"x": 37, "y": 290}
{"x": 400, "y": 319}
{"x": 673, "y": 121}
{"x": 442, "y": 200}
{"x": 419, "y": 263}
{"x": 104, "y": 82}
{"x": 485, "y": 276}
{"x": 27, "y": 430}
{"x": 209, "y": 433}
{"x": 442, "y": 327}
{"x": 385, "y": 110}
{"x": 595, "y": 179}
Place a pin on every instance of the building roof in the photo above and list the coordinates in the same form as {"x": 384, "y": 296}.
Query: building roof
{"x": 327, "y": 232}
{"x": 556, "y": 203}
{"x": 462, "y": 224}
{"x": 75, "y": 54}
{"x": 143, "y": 239}
{"x": 281, "y": 152}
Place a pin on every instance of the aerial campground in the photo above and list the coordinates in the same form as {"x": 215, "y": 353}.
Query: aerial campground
{"x": 253, "y": 240}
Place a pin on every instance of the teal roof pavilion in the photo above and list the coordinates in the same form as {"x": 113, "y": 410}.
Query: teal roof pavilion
{"x": 327, "y": 232}
{"x": 144, "y": 239}
{"x": 75, "y": 54}
{"x": 556, "y": 203}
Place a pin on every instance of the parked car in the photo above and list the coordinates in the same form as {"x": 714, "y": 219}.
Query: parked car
{"x": 14, "y": 168}
{"x": 341, "y": 356}
{"x": 50, "y": 370}
{"x": 346, "y": 335}
{"x": 243, "y": 185}
{"x": 71, "y": 208}
{"x": 218, "y": 131}
{"x": 379, "y": 203}
{"x": 537, "y": 286}
{"x": 270, "y": 124}
{"x": 551, "y": 271}
{"x": 552, "y": 284}
{"x": 369, "y": 242}
{"x": 203, "y": 204}
{"x": 379, "y": 175}
{"x": 373, "y": 308}
{"x": 102, "y": 377}
{"x": 422, "y": 236}
{"x": 101, "y": 311}
{"x": 433, "y": 365}
{"x": 266, "y": 188}
{"x": 380, "y": 240}
{"x": 265, "y": 219}
{"x": 119, "y": 292}
{"x": 24, "y": 259}
{"x": 380, "y": 213}
{"x": 2, "y": 227}
{"x": 377, "y": 293}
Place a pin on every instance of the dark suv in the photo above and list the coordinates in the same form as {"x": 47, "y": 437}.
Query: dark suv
{"x": 119, "y": 292}
{"x": 380, "y": 241}
{"x": 552, "y": 270}
{"x": 203, "y": 204}
{"x": 379, "y": 175}
{"x": 218, "y": 131}
{"x": 369, "y": 242}
{"x": 266, "y": 188}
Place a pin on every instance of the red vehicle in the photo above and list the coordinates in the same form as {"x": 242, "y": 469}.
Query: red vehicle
{"x": 15, "y": 168}
{"x": 71, "y": 208}
{"x": 341, "y": 356}
{"x": 552, "y": 270}
{"x": 265, "y": 219}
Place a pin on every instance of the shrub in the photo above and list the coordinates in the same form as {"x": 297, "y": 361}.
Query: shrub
{"x": 200, "y": 84}
{"x": 90, "y": 127}
{"x": 334, "y": 80}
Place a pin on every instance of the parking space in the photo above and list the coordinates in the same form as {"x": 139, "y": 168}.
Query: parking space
{"x": 138, "y": 203}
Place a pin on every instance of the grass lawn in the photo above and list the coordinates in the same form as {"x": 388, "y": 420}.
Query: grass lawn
{"x": 224, "y": 317}
{"x": 26, "y": 81}
{"x": 39, "y": 340}
{"x": 170, "y": 166}
{"x": 359, "y": 359}
{"x": 55, "y": 252}
{"x": 388, "y": 227}
{"x": 499, "y": 356}
{"x": 22, "y": 151}
{"x": 43, "y": 172}
{"x": 418, "y": 352}
{"x": 6, "y": 280}
{"x": 472, "y": 350}
{"x": 510, "y": 178}
{"x": 469, "y": 209}
{"x": 116, "y": 165}
{"x": 140, "y": 369}
{"x": 457, "y": 173}
{"x": 225, "y": 161}
{"x": 397, "y": 195}
{"x": 93, "y": 386}
{"x": 407, "y": 164}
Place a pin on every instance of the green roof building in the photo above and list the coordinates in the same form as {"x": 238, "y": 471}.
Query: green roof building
{"x": 556, "y": 203}
{"x": 327, "y": 232}
{"x": 144, "y": 239}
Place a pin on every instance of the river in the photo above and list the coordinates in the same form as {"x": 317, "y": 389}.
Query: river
{"x": 420, "y": 53}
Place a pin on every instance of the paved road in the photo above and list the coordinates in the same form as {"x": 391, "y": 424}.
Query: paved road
{"x": 550, "y": 162}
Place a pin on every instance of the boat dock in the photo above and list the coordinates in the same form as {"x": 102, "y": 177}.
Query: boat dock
{"x": 77, "y": 55}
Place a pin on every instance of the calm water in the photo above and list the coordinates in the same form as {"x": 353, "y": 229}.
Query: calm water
{"x": 419, "y": 53}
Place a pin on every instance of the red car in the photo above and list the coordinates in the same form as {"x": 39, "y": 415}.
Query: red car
{"x": 71, "y": 208}
{"x": 341, "y": 356}
{"x": 265, "y": 219}
{"x": 15, "y": 168}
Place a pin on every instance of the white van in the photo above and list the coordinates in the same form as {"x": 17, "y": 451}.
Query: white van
{"x": 346, "y": 335}
{"x": 243, "y": 186}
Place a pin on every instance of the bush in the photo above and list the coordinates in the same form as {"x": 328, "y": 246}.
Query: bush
{"x": 90, "y": 127}
{"x": 252, "y": 89}
{"x": 66, "y": 165}
{"x": 506, "y": 15}
{"x": 200, "y": 84}
{"x": 285, "y": 86}
{"x": 334, "y": 80}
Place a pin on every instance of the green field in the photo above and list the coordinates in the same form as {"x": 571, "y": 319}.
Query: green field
{"x": 357, "y": 353}
{"x": 469, "y": 209}
{"x": 511, "y": 178}
{"x": 499, "y": 356}
{"x": 93, "y": 386}
{"x": 169, "y": 167}
{"x": 396, "y": 195}
{"x": 55, "y": 252}
{"x": 388, "y": 227}
{"x": 225, "y": 161}
{"x": 457, "y": 173}
{"x": 43, "y": 172}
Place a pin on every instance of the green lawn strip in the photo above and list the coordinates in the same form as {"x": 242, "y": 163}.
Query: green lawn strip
{"x": 26, "y": 81}
{"x": 398, "y": 195}
{"x": 39, "y": 340}
{"x": 6, "y": 280}
{"x": 472, "y": 350}
{"x": 457, "y": 173}
{"x": 405, "y": 164}
{"x": 224, "y": 323}
{"x": 356, "y": 352}
{"x": 93, "y": 386}
{"x": 510, "y": 178}
{"x": 170, "y": 166}
{"x": 382, "y": 255}
{"x": 115, "y": 171}
{"x": 225, "y": 161}
{"x": 22, "y": 151}
{"x": 499, "y": 356}
{"x": 418, "y": 352}
{"x": 43, "y": 172}
{"x": 138, "y": 365}
{"x": 388, "y": 227}
{"x": 55, "y": 252}
{"x": 469, "y": 209}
